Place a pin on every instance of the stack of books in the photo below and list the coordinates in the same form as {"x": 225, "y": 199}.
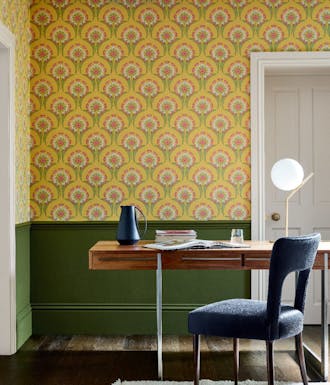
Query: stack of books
{"x": 175, "y": 235}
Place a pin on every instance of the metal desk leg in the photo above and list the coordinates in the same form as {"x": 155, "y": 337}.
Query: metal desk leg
{"x": 320, "y": 364}
{"x": 159, "y": 285}
{"x": 324, "y": 315}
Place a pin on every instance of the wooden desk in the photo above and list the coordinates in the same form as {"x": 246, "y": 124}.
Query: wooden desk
{"x": 109, "y": 255}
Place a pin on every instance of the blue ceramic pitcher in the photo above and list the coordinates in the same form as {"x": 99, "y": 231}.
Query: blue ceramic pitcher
{"x": 128, "y": 228}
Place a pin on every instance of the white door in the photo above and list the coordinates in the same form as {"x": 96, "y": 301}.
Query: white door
{"x": 297, "y": 125}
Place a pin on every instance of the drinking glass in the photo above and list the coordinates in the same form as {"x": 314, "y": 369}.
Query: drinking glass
{"x": 237, "y": 236}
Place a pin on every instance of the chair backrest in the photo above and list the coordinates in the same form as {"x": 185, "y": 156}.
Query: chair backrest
{"x": 290, "y": 254}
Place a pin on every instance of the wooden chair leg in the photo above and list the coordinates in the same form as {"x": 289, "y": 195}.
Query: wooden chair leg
{"x": 236, "y": 359}
{"x": 197, "y": 360}
{"x": 301, "y": 357}
{"x": 270, "y": 362}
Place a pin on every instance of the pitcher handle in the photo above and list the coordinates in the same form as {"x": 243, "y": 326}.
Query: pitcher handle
{"x": 145, "y": 223}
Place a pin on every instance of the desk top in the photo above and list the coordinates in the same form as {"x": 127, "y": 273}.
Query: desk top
{"x": 109, "y": 255}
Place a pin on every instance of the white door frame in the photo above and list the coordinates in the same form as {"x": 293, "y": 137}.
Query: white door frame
{"x": 262, "y": 63}
{"x": 7, "y": 193}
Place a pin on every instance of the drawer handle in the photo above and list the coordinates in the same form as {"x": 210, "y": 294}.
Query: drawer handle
{"x": 209, "y": 259}
{"x": 122, "y": 259}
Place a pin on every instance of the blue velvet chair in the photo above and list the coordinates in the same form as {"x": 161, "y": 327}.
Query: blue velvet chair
{"x": 262, "y": 320}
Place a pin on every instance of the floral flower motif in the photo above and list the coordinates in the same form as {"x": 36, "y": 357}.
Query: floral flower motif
{"x": 291, "y": 16}
{"x": 131, "y": 70}
{"x": 95, "y": 35}
{"x": 184, "y": 17}
{"x": 323, "y": 16}
{"x": 96, "y": 212}
{"x": 185, "y": 159}
{"x": 167, "y": 177}
{"x": 96, "y": 3}
{"x": 60, "y": 177}
{"x": 184, "y": 52}
{"x": 220, "y": 87}
{"x": 42, "y": 88}
{"x": 149, "y": 159}
{"x": 238, "y": 105}
{"x": 132, "y": 177}
{"x": 131, "y": 142}
{"x": 148, "y": 17}
{"x": 113, "y": 195}
{"x": 238, "y": 35}
{"x": 42, "y": 53}
{"x": 219, "y": 53}
{"x": 78, "y": 124}
{"x": 42, "y": 159}
{"x": 149, "y": 123}
{"x": 113, "y": 159}
{"x": 202, "y": 70}
{"x": 96, "y": 106}
{"x": 185, "y": 195}
{"x": 96, "y": 142}
{"x": 238, "y": 141}
{"x": 238, "y": 212}
{"x": 167, "y": 212}
{"x": 60, "y": 70}
{"x": 203, "y": 212}
{"x": 202, "y": 105}
{"x": 113, "y": 88}
{"x": 43, "y": 195}
{"x": 202, "y": 35}
{"x": 309, "y": 34}
{"x": 148, "y": 53}
{"x": 42, "y": 17}
{"x": 184, "y": 123}
{"x": 78, "y": 88}
{"x": 184, "y": 88}
{"x": 78, "y": 53}
{"x": 149, "y": 195}
{"x": 61, "y": 212}
{"x": 237, "y": 70}
{"x": 131, "y": 35}
{"x": 167, "y": 106}
{"x": 167, "y": 142}
{"x": 149, "y": 88}
{"x": 238, "y": 177}
{"x": 220, "y": 159}
{"x": 113, "y": 17}
{"x": 113, "y": 53}
{"x": 78, "y": 159}
{"x": 96, "y": 177}
{"x": 59, "y": 3}
{"x": 273, "y": 34}
{"x": 78, "y": 195}
{"x": 167, "y": 34}
{"x": 113, "y": 124}
{"x": 220, "y": 17}
{"x": 78, "y": 17}
{"x": 42, "y": 124}
{"x": 202, "y": 141}
{"x": 167, "y": 71}
{"x": 60, "y": 106}
{"x": 96, "y": 70}
{"x": 255, "y": 17}
{"x": 202, "y": 177}
{"x": 131, "y": 106}
{"x": 60, "y": 142}
{"x": 60, "y": 35}
{"x": 220, "y": 195}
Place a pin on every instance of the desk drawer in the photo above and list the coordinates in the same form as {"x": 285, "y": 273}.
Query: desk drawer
{"x": 256, "y": 262}
{"x": 198, "y": 260}
{"x": 125, "y": 261}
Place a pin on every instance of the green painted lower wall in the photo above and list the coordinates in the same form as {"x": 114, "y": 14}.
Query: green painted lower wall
{"x": 23, "y": 307}
{"x": 67, "y": 297}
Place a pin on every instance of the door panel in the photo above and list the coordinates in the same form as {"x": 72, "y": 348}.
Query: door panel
{"x": 297, "y": 125}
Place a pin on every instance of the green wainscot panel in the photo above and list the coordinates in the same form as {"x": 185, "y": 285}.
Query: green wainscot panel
{"x": 67, "y": 297}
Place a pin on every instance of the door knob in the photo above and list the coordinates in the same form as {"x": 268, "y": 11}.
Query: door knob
{"x": 276, "y": 217}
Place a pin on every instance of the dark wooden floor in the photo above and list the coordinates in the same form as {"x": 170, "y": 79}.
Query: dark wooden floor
{"x": 86, "y": 360}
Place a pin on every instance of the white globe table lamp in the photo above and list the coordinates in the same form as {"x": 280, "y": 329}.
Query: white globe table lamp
{"x": 288, "y": 175}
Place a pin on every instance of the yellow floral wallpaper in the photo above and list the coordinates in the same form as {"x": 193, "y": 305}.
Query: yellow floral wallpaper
{"x": 14, "y": 14}
{"x": 147, "y": 102}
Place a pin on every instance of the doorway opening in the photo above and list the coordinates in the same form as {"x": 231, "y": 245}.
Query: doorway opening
{"x": 7, "y": 193}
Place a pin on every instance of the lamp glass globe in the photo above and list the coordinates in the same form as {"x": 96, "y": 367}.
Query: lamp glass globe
{"x": 287, "y": 174}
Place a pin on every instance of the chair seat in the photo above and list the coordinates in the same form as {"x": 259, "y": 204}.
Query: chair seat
{"x": 242, "y": 318}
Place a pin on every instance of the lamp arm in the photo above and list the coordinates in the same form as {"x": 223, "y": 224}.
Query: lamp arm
{"x": 287, "y": 202}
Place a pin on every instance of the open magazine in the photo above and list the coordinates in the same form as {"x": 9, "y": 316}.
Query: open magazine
{"x": 193, "y": 244}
